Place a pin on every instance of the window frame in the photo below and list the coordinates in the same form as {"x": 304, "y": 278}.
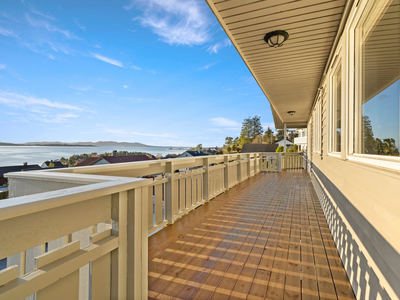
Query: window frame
{"x": 337, "y": 63}
{"x": 359, "y": 20}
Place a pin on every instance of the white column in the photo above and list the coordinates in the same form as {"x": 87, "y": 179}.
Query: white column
{"x": 284, "y": 137}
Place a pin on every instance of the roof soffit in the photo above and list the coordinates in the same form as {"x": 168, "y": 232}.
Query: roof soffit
{"x": 290, "y": 75}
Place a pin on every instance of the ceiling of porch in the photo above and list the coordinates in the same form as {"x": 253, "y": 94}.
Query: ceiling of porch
{"x": 290, "y": 75}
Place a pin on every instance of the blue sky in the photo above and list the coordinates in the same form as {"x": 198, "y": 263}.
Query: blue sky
{"x": 160, "y": 72}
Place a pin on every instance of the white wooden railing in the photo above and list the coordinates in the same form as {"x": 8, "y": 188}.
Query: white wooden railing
{"x": 47, "y": 233}
{"x": 292, "y": 160}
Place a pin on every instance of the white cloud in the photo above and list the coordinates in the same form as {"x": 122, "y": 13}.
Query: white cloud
{"x": 125, "y": 86}
{"x": 223, "y": 122}
{"x": 79, "y": 25}
{"x": 6, "y": 32}
{"x": 107, "y": 60}
{"x": 82, "y": 89}
{"x": 206, "y": 67}
{"x": 135, "y": 67}
{"x": 215, "y": 48}
{"x": 63, "y": 118}
{"x": 32, "y": 103}
{"x": 179, "y": 22}
{"x": 50, "y": 27}
{"x": 2, "y": 66}
{"x": 34, "y": 11}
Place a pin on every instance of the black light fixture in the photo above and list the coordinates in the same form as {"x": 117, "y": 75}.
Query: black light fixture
{"x": 276, "y": 38}
{"x": 291, "y": 112}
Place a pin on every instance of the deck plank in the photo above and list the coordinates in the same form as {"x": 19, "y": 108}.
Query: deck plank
{"x": 266, "y": 238}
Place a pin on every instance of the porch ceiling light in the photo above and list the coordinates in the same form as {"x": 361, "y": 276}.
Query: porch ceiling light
{"x": 291, "y": 112}
{"x": 276, "y": 38}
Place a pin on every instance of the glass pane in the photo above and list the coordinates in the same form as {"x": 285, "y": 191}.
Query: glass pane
{"x": 337, "y": 110}
{"x": 380, "y": 89}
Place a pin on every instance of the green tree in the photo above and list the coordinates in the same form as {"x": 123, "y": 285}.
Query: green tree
{"x": 251, "y": 127}
{"x": 268, "y": 136}
{"x": 280, "y": 134}
{"x": 199, "y": 147}
{"x": 228, "y": 140}
{"x": 258, "y": 139}
{"x": 387, "y": 147}
{"x": 370, "y": 144}
{"x": 279, "y": 149}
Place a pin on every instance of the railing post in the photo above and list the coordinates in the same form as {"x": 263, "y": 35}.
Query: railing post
{"x": 248, "y": 165}
{"x": 133, "y": 244}
{"x": 226, "y": 172}
{"x": 239, "y": 169}
{"x": 255, "y": 163}
{"x": 206, "y": 179}
{"x": 169, "y": 192}
{"x": 279, "y": 162}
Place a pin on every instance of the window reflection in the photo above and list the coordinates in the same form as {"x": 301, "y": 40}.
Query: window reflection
{"x": 378, "y": 106}
{"x": 337, "y": 110}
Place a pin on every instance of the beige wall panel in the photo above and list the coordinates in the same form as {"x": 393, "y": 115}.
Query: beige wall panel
{"x": 20, "y": 233}
{"x": 372, "y": 191}
{"x": 101, "y": 278}
{"x": 64, "y": 289}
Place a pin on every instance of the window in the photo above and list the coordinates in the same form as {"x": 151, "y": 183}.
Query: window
{"x": 377, "y": 108}
{"x": 336, "y": 109}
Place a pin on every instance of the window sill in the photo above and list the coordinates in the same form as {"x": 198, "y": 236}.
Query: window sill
{"x": 335, "y": 154}
{"x": 392, "y": 163}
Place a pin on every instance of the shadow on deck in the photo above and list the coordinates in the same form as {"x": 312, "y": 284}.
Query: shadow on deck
{"x": 266, "y": 238}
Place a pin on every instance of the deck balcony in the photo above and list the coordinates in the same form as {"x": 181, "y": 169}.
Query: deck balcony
{"x": 245, "y": 226}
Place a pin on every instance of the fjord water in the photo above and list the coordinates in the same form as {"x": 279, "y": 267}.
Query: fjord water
{"x": 17, "y": 155}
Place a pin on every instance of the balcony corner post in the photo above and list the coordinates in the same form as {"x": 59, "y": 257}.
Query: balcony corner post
{"x": 206, "y": 179}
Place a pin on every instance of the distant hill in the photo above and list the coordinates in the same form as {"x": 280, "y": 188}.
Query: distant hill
{"x": 79, "y": 144}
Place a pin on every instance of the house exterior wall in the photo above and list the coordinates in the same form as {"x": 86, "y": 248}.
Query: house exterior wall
{"x": 359, "y": 193}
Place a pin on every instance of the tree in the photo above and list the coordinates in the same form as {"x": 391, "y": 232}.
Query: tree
{"x": 268, "y": 136}
{"x": 387, "y": 147}
{"x": 258, "y": 139}
{"x": 370, "y": 144}
{"x": 199, "y": 147}
{"x": 251, "y": 127}
{"x": 280, "y": 135}
{"x": 279, "y": 149}
{"x": 228, "y": 140}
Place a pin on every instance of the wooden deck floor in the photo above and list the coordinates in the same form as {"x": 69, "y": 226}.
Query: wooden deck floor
{"x": 266, "y": 238}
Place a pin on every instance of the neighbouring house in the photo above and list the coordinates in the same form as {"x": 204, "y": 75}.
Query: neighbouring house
{"x": 192, "y": 153}
{"x": 105, "y": 160}
{"x": 301, "y": 140}
{"x": 52, "y": 164}
{"x": 9, "y": 169}
{"x": 252, "y": 148}
{"x": 210, "y": 151}
{"x": 281, "y": 142}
